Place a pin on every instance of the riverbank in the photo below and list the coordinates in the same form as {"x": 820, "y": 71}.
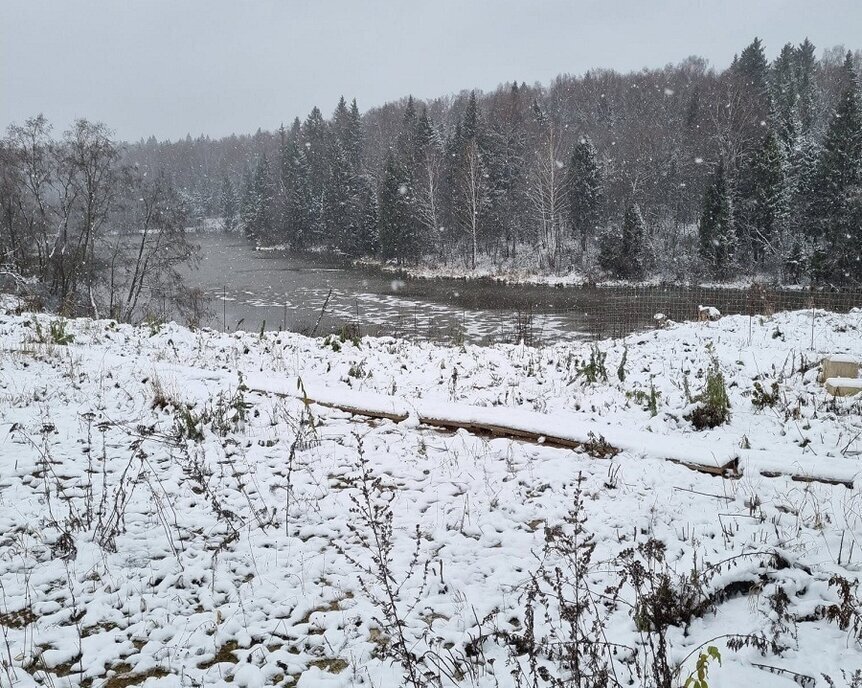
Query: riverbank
{"x": 162, "y": 519}
{"x": 574, "y": 278}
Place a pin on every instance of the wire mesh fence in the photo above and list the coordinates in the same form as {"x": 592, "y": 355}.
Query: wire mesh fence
{"x": 546, "y": 315}
{"x": 636, "y": 308}
{"x": 600, "y": 313}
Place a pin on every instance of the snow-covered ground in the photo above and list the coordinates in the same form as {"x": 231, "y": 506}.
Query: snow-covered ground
{"x": 162, "y": 524}
{"x": 575, "y": 277}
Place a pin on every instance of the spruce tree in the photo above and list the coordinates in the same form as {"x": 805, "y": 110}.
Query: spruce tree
{"x": 249, "y": 204}
{"x": 317, "y": 158}
{"x": 716, "y": 229}
{"x": 785, "y": 93}
{"x": 634, "y": 243}
{"x": 753, "y": 68}
{"x": 352, "y": 142}
{"x": 837, "y": 187}
{"x": 297, "y": 206}
{"x": 585, "y": 191}
{"x": 806, "y": 65}
{"x": 229, "y": 207}
{"x": 622, "y": 252}
{"x": 766, "y": 208}
{"x": 261, "y": 220}
{"x": 397, "y": 240}
{"x": 363, "y": 219}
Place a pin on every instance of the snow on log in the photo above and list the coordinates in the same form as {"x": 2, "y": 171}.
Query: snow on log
{"x": 565, "y": 430}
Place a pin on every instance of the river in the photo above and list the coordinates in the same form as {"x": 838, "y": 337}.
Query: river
{"x": 251, "y": 289}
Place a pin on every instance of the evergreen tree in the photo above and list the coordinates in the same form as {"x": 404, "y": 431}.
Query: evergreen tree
{"x": 352, "y": 142}
{"x": 716, "y": 230}
{"x": 765, "y": 211}
{"x": 362, "y": 229}
{"x": 296, "y": 206}
{"x": 512, "y": 181}
{"x": 753, "y": 68}
{"x": 623, "y": 253}
{"x": 317, "y": 158}
{"x": 408, "y": 136}
{"x": 806, "y": 65}
{"x": 834, "y": 223}
{"x": 785, "y": 93}
{"x": 336, "y": 211}
{"x": 751, "y": 73}
{"x": 229, "y": 207}
{"x": 398, "y": 241}
{"x": 259, "y": 220}
{"x": 585, "y": 191}
{"x": 248, "y": 208}
{"x": 341, "y": 123}
{"x": 633, "y": 243}
{"x": 470, "y": 120}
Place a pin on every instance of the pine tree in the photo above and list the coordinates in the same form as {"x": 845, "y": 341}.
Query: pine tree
{"x": 585, "y": 191}
{"x": 716, "y": 230}
{"x": 228, "y": 204}
{"x": 837, "y": 187}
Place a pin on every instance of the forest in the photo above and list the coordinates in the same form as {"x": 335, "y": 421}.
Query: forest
{"x": 665, "y": 174}
{"x": 679, "y": 174}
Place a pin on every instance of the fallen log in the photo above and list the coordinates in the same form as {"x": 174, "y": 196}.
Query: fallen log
{"x": 561, "y": 430}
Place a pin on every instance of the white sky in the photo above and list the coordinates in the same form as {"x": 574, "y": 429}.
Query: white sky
{"x": 171, "y": 67}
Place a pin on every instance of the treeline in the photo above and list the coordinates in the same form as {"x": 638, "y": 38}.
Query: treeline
{"x": 84, "y": 231}
{"x": 676, "y": 173}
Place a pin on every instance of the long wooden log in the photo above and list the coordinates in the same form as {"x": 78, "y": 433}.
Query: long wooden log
{"x": 537, "y": 429}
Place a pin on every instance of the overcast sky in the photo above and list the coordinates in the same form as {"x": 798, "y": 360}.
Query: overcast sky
{"x": 171, "y": 67}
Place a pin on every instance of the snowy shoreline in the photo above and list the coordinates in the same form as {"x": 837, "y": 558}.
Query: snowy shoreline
{"x": 162, "y": 520}
{"x": 573, "y": 279}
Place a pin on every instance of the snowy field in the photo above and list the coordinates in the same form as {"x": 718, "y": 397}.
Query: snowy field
{"x": 163, "y": 524}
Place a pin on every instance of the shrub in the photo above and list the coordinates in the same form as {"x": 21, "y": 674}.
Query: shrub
{"x": 760, "y": 398}
{"x": 713, "y": 403}
{"x": 594, "y": 369}
{"x": 56, "y": 333}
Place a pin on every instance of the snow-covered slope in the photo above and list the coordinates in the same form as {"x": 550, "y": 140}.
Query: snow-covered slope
{"x": 161, "y": 522}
